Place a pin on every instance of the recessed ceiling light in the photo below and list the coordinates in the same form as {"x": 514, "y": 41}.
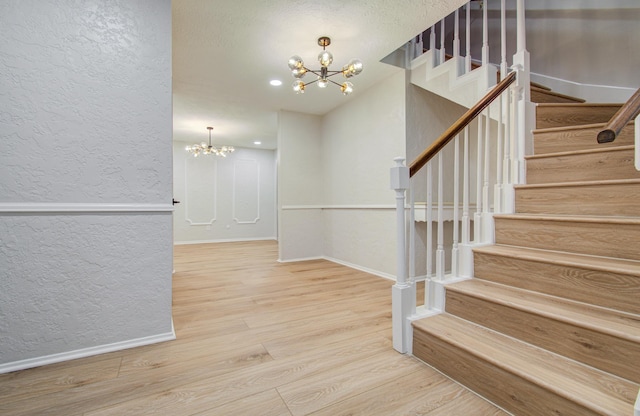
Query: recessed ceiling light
{"x": 275, "y": 82}
{"x": 257, "y": 142}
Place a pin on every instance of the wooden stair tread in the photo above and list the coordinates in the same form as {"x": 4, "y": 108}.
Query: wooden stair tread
{"x": 618, "y": 324}
{"x": 573, "y": 218}
{"x": 569, "y": 128}
{"x": 579, "y": 105}
{"x": 540, "y": 86}
{"x": 580, "y": 152}
{"x": 579, "y": 183}
{"x": 605, "y": 264}
{"x": 549, "y": 92}
{"x": 591, "y": 388}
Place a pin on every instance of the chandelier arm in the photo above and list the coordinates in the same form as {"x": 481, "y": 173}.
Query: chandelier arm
{"x": 333, "y": 82}
{"x": 315, "y": 72}
{"x": 311, "y": 82}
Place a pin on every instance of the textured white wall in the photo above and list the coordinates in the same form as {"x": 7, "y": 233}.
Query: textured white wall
{"x": 359, "y": 141}
{"x": 300, "y": 179}
{"x": 85, "y": 177}
{"x": 242, "y": 189}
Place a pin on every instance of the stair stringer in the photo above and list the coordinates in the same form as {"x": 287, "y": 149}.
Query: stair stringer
{"x": 445, "y": 81}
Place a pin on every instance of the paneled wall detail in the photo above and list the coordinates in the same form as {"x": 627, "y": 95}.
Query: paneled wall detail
{"x": 201, "y": 191}
{"x": 236, "y": 200}
{"x": 246, "y": 191}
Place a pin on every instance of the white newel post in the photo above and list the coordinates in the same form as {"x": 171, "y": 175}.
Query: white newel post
{"x": 525, "y": 109}
{"x": 403, "y": 296}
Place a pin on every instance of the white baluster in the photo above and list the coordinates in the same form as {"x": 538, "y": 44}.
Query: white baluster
{"x": 456, "y": 207}
{"x": 428, "y": 299}
{"x": 442, "y": 44}
{"x": 466, "y": 238}
{"x": 432, "y": 39}
{"x": 485, "y": 34}
{"x": 467, "y": 58}
{"x": 477, "y": 218}
{"x": 456, "y": 35}
{"x": 487, "y": 224}
{"x": 509, "y": 145}
{"x": 412, "y": 234}
{"x": 440, "y": 248}
{"x": 503, "y": 41}
{"x": 466, "y": 255}
{"x": 497, "y": 192}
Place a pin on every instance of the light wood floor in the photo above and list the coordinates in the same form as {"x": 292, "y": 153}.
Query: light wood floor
{"x": 254, "y": 337}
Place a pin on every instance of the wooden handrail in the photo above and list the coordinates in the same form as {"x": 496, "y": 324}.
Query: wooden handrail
{"x": 460, "y": 124}
{"x": 627, "y": 112}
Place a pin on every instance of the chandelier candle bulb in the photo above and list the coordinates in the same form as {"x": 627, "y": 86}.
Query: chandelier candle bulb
{"x": 298, "y": 70}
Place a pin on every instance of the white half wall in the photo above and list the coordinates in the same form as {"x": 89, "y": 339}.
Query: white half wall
{"x": 300, "y": 179}
{"x": 85, "y": 178}
{"x": 224, "y": 199}
{"x": 360, "y": 139}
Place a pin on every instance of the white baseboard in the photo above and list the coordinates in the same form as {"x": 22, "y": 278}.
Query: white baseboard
{"x": 343, "y": 263}
{"x": 300, "y": 259}
{"x": 361, "y": 268}
{"x": 591, "y": 93}
{"x": 86, "y": 352}
{"x": 227, "y": 240}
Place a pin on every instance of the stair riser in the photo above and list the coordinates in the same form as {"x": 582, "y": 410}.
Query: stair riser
{"x": 607, "y": 289}
{"x": 598, "y": 239}
{"x": 599, "y": 166}
{"x": 621, "y": 199}
{"x": 577, "y": 139}
{"x": 608, "y": 353}
{"x": 573, "y": 115}
{"x": 508, "y": 390}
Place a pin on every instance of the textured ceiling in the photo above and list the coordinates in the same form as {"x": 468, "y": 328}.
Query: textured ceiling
{"x": 225, "y": 52}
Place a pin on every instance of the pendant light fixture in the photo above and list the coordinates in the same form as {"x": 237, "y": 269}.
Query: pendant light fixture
{"x": 298, "y": 70}
{"x": 205, "y": 149}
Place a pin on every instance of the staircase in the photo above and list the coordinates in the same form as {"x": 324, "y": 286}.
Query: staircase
{"x": 550, "y": 323}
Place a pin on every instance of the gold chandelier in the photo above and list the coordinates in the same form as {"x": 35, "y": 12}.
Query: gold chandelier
{"x": 298, "y": 70}
{"x": 205, "y": 149}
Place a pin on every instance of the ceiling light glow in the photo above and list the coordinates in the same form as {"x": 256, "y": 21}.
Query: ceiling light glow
{"x": 275, "y": 82}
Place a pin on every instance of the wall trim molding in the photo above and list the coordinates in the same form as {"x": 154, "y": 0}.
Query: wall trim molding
{"x": 72, "y": 207}
{"x": 223, "y": 240}
{"x": 303, "y": 207}
{"x": 87, "y": 352}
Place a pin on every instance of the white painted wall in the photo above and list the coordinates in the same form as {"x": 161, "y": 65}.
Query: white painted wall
{"x": 85, "y": 178}
{"x": 300, "y": 183}
{"x": 359, "y": 141}
{"x": 224, "y": 198}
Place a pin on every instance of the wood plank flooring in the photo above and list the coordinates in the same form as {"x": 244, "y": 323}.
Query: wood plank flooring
{"x": 254, "y": 337}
